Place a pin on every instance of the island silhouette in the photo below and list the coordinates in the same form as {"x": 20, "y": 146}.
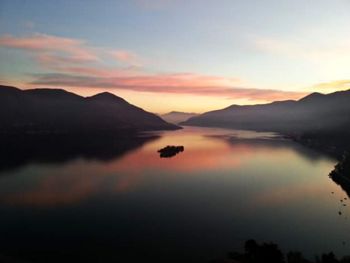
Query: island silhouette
{"x": 170, "y": 151}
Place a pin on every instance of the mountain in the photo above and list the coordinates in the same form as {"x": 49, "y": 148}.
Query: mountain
{"x": 315, "y": 112}
{"x": 47, "y": 111}
{"x": 316, "y": 119}
{"x": 177, "y": 117}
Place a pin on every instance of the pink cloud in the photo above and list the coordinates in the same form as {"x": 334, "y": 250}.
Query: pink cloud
{"x": 126, "y": 57}
{"x": 61, "y": 53}
{"x": 70, "y": 60}
{"x": 97, "y": 72}
{"x": 47, "y": 45}
{"x": 169, "y": 83}
{"x": 54, "y": 61}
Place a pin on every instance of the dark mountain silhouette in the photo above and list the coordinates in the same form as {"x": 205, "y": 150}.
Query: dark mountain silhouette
{"x": 56, "y": 111}
{"x": 177, "y": 117}
{"x": 317, "y": 120}
{"x": 315, "y": 112}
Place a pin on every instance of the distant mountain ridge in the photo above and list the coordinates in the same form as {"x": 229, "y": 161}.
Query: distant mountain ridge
{"x": 177, "y": 117}
{"x": 314, "y": 113}
{"x": 60, "y": 112}
{"x": 320, "y": 121}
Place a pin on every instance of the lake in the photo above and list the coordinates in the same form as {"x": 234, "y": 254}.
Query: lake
{"x": 120, "y": 200}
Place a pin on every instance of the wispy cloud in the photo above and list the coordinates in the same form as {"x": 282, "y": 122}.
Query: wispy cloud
{"x": 326, "y": 58}
{"x": 51, "y": 46}
{"x": 73, "y": 63}
{"x": 55, "y": 52}
{"x": 126, "y": 57}
{"x": 301, "y": 48}
{"x": 168, "y": 83}
{"x": 29, "y": 24}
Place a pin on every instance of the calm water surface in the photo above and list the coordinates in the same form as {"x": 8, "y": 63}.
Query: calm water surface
{"x": 126, "y": 203}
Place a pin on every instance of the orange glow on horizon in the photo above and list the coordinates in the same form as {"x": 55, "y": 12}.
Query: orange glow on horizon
{"x": 159, "y": 103}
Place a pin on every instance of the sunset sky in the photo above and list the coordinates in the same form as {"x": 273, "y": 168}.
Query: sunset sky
{"x": 186, "y": 55}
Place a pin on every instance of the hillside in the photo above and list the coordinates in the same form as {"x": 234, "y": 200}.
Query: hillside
{"x": 315, "y": 112}
{"x": 316, "y": 119}
{"x": 55, "y": 111}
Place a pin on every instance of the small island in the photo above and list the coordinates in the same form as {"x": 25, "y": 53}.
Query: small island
{"x": 170, "y": 151}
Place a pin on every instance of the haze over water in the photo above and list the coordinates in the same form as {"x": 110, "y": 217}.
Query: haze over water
{"x": 226, "y": 187}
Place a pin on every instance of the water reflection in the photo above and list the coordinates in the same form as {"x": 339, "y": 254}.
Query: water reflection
{"x": 17, "y": 151}
{"x": 126, "y": 202}
{"x": 79, "y": 169}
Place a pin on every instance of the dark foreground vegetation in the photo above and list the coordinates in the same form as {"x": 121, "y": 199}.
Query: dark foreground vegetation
{"x": 271, "y": 253}
{"x": 341, "y": 173}
{"x": 253, "y": 253}
{"x": 343, "y": 167}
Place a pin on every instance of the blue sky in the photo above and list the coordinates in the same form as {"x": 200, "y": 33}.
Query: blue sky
{"x": 181, "y": 50}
